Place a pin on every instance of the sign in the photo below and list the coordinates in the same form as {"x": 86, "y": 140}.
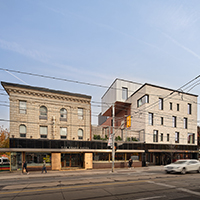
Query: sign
{"x": 110, "y": 141}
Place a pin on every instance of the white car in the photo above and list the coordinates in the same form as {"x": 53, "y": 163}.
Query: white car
{"x": 183, "y": 166}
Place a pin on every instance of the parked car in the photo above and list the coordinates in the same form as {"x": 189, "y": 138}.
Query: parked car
{"x": 4, "y": 161}
{"x": 183, "y": 166}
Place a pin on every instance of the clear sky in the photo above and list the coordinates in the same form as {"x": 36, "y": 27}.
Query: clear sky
{"x": 96, "y": 41}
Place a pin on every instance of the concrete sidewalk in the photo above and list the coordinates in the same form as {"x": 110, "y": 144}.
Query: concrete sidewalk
{"x": 65, "y": 173}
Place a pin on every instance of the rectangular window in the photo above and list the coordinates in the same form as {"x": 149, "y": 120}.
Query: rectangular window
{"x": 143, "y": 100}
{"x": 160, "y": 103}
{"x": 174, "y": 121}
{"x": 191, "y": 138}
{"x": 22, "y": 107}
{"x": 170, "y": 105}
{"x": 189, "y": 108}
{"x": 80, "y": 113}
{"x": 150, "y": 118}
{"x": 63, "y": 133}
{"x": 155, "y": 136}
{"x": 161, "y": 120}
{"x": 178, "y": 107}
{"x": 43, "y": 131}
{"x": 176, "y": 137}
{"x": 168, "y": 137}
{"x": 161, "y": 137}
{"x": 185, "y": 121}
{"x": 124, "y": 93}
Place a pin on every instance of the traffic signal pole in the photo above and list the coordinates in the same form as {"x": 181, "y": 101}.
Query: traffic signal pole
{"x": 113, "y": 138}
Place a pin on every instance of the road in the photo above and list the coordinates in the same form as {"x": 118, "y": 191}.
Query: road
{"x": 123, "y": 185}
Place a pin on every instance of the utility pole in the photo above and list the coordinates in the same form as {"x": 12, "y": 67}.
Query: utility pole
{"x": 113, "y": 138}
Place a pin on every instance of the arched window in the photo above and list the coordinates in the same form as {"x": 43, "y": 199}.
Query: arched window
{"x": 63, "y": 114}
{"x": 80, "y": 134}
{"x": 43, "y": 112}
{"x": 22, "y": 130}
{"x": 63, "y": 133}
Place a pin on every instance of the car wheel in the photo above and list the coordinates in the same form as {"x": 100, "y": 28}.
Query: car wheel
{"x": 167, "y": 172}
{"x": 198, "y": 171}
{"x": 183, "y": 171}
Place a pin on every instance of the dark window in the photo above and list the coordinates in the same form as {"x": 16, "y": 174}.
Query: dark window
{"x": 167, "y": 137}
{"x": 178, "y": 107}
{"x": 189, "y": 108}
{"x": 170, "y": 105}
{"x": 185, "y": 120}
{"x": 161, "y": 137}
{"x": 143, "y": 100}
{"x": 155, "y": 136}
{"x": 174, "y": 121}
{"x": 176, "y": 137}
{"x": 160, "y": 103}
{"x": 161, "y": 121}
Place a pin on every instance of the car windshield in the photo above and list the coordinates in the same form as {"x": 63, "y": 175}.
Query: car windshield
{"x": 180, "y": 162}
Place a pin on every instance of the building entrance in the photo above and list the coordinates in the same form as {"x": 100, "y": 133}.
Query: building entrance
{"x": 69, "y": 160}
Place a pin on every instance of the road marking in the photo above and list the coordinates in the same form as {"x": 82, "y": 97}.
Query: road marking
{"x": 156, "y": 197}
{"x": 70, "y": 187}
{"x": 181, "y": 189}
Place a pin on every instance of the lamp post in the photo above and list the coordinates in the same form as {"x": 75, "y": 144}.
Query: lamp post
{"x": 113, "y": 138}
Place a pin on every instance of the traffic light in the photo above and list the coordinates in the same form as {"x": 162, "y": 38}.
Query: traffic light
{"x": 128, "y": 121}
{"x": 115, "y": 148}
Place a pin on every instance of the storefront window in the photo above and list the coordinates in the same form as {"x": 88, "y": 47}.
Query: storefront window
{"x": 119, "y": 156}
{"x": 36, "y": 159}
{"x": 101, "y": 156}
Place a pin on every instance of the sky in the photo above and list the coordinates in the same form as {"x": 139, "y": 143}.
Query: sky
{"x": 146, "y": 41}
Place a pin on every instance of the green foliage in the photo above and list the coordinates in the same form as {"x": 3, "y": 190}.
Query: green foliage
{"x": 98, "y": 137}
{"x": 118, "y": 138}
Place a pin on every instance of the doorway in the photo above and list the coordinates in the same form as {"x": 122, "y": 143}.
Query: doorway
{"x": 70, "y": 160}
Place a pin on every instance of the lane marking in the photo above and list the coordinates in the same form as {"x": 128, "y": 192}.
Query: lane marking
{"x": 180, "y": 189}
{"x": 71, "y": 187}
{"x": 155, "y": 197}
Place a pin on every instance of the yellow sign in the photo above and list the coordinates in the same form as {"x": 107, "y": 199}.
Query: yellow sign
{"x": 128, "y": 121}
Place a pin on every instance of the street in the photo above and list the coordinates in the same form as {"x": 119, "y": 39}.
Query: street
{"x": 137, "y": 184}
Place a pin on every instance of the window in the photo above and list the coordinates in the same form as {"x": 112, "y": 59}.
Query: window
{"x": 63, "y": 114}
{"x": 80, "y": 113}
{"x": 143, "y": 100}
{"x": 22, "y": 130}
{"x": 178, "y": 107}
{"x": 150, "y": 118}
{"x": 168, "y": 137}
{"x": 160, "y": 104}
{"x": 191, "y": 138}
{"x": 43, "y": 112}
{"x": 22, "y": 107}
{"x": 80, "y": 134}
{"x": 43, "y": 131}
{"x": 63, "y": 133}
{"x": 161, "y": 120}
{"x": 170, "y": 105}
{"x": 155, "y": 136}
{"x": 189, "y": 108}
{"x": 124, "y": 93}
{"x": 161, "y": 137}
{"x": 185, "y": 121}
{"x": 176, "y": 137}
{"x": 174, "y": 121}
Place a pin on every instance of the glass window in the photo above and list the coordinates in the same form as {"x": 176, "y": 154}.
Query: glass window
{"x": 191, "y": 138}
{"x": 143, "y": 100}
{"x": 36, "y": 159}
{"x": 124, "y": 93}
{"x": 170, "y": 105}
{"x": 80, "y": 134}
{"x": 43, "y": 131}
{"x": 80, "y": 113}
{"x": 22, "y": 130}
{"x": 101, "y": 156}
{"x": 63, "y": 114}
{"x": 176, "y": 137}
{"x": 161, "y": 120}
{"x": 189, "y": 108}
{"x": 119, "y": 156}
{"x": 168, "y": 137}
{"x": 174, "y": 121}
{"x": 155, "y": 136}
{"x": 22, "y": 107}
{"x": 161, "y": 137}
{"x": 160, "y": 103}
{"x": 63, "y": 133}
{"x": 43, "y": 112}
{"x": 150, "y": 118}
{"x": 185, "y": 121}
{"x": 178, "y": 107}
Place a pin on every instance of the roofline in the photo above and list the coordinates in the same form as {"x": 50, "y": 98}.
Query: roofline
{"x": 120, "y": 80}
{"x": 162, "y": 88}
{"x": 4, "y": 84}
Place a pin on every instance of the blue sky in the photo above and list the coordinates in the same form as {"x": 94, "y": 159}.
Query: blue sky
{"x": 153, "y": 41}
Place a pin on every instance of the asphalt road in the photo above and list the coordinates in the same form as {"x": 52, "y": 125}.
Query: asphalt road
{"x": 138, "y": 185}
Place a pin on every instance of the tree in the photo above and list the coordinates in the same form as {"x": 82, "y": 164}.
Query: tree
{"x": 4, "y": 140}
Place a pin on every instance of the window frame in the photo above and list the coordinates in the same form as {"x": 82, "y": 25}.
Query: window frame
{"x": 150, "y": 119}
{"x": 43, "y": 115}
{"x": 63, "y": 136}
{"x": 80, "y": 115}
{"x": 161, "y": 106}
{"x": 174, "y": 121}
{"x": 124, "y": 93}
{"x": 63, "y": 112}
{"x": 177, "y": 137}
{"x": 189, "y": 108}
{"x": 141, "y": 101}
{"x": 21, "y": 109}
{"x": 80, "y": 137}
{"x": 185, "y": 122}
{"x": 46, "y": 134}
{"x": 22, "y": 134}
